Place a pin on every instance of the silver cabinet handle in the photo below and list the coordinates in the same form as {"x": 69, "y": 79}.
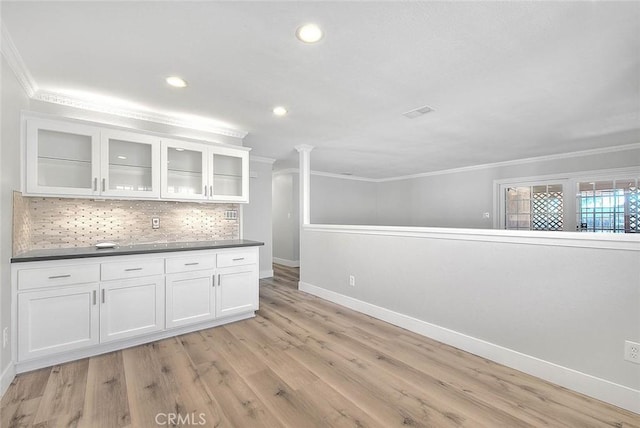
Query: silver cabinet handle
{"x": 211, "y": 190}
{"x": 104, "y": 184}
{"x": 132, "y": 269}
{"x": 219, "y": 281}
{"x": 238, "y": 259}
{"x": 103, "y": 296}
{"x": 60, "y": 276}
{"x": 95, "y": 184}
{"x": 94, "y": 296}
{"x": 205, "y": 191}
{"x": 192, "y": 264}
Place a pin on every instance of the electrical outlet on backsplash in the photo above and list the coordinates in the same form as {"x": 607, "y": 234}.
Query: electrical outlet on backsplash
{"x": 43, "y": 223}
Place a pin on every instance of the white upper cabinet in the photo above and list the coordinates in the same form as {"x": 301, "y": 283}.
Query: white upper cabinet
{"x": 62, "y": 158}
{"x": 65, "y": 158}
{"x": 204, "y": 172}
{"x": 130, "y": 165}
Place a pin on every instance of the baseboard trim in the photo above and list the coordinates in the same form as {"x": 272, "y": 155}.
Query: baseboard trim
{"x": 266, "y": 274}
{"x": 601, "y": 389}
{"x": 285, "y": 262}
{"x": 6, "y": 378}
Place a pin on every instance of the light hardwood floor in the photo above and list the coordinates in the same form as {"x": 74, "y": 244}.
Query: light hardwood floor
{"x": 302, "y": 362}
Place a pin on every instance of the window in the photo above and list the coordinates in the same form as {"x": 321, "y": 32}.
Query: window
{"x": 537, "y": 207}
{"x": 609, "y": 206}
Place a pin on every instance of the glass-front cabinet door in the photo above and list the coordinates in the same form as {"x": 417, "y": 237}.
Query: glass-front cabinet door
{"x": 62, "y": 158}
{"x": 229, "y": 174}
{"x": 130, "y": 165}
{"x": 184, "y": 170}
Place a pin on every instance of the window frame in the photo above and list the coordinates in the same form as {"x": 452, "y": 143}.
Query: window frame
{"x": 569, "y": 183}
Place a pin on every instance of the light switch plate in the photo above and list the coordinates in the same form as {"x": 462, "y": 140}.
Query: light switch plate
{"x": 155, "y": 223}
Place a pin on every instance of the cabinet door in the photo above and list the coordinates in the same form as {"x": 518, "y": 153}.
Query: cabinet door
{"x": 130, "y": 165}
{"x": 131, "y": 307}
{"x": 229, "y": 174}
{"x": 184, "y": 170}
{"x": 62, "y": 158}
{"x": 237, "y": 290}
{"x": 190, "y": 298}
{"x": 57, "y": 320}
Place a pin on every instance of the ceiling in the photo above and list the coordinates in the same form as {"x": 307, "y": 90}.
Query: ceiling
{"x": 507, "y": 80}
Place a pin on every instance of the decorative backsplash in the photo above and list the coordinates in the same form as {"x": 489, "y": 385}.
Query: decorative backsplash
{"x": 43, "y": 223}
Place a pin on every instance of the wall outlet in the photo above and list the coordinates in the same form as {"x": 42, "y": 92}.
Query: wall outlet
{"x": 352, "y": 280}
{"x": 231, "y": 215}
{"x": 155, "y": 223}
{"x": 5, "y": 337}
{"x": 632, "y": 351}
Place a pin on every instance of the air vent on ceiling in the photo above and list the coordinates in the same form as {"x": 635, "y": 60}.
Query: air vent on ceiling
{"x": 412, "y": 114}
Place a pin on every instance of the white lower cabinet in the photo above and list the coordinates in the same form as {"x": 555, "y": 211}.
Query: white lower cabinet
{"x": 190, "y": 297}
{"x": 75, "y": 308}
{"x": 57, "y": 320}
{"x": 236, "y": 291}
{"x": 131, "y": 307}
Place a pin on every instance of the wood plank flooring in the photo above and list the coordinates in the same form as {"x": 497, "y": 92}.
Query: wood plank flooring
{"x": 302, "y": 362}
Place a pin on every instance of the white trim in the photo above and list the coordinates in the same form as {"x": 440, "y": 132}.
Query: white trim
{"x": 261, "y": 159}
{"x": 146, "y": 115}
{"x": 266, "y": 274}
{"x": 286, "y": 262}
{"x": 15, "y": 61}
{"x": 344, "y": 177}
{"x": 286, "y": 171}
{"x": 559, "y": 156}
{"x": 6, "y": 378}
{"x": 583, "y": 383}
{"x": 627, "y": 242}
{"x": 102, "y": 348}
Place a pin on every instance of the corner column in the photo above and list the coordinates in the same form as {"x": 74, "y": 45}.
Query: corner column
{"x": 304, "y": 151}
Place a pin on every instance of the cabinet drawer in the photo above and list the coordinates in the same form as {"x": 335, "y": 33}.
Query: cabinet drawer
{"x": 190, "y": 263}
{"x": 29, "y": 279}
{"x": 237, "y": 258}
{"x": 131, "y": 269}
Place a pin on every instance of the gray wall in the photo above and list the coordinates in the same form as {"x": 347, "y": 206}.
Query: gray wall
{"x": 256, "y": 215}
{"x": 459, "y": 199}
{"x": 13, "y": 100}
{"x": 571, "y": 306}
{"x": 342, "y": 201}
{"x": 286, "y": 219}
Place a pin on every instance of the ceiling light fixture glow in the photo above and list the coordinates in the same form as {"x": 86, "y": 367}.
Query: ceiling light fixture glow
{"x": 279, "y": 111}
{"x": 176, "y": 82}
{"x": 309, "y": 33}
{"x": 122, "y": 157}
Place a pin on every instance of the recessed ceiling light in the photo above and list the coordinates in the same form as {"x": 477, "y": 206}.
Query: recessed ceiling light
{"x": 122, "y": 157}
{"x": 179, "y": 149}
{"x": 279, "y": 111}
{"x": 176, "y": 81}
{"x": 309, "y": 33}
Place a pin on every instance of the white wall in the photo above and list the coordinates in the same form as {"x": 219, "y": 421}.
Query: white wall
{"x": 286, "y": 218}
{"x": 256, "y": 215}
{"x": 13, "y": 100}
{"x": 559, "y": 306}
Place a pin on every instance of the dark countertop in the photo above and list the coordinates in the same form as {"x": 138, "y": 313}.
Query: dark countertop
{"x": 123, "y": 250}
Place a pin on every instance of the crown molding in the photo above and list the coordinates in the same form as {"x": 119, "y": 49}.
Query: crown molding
{"x": 149, "y": 116}
{"x": 262, "y": 159}
{"x": 303, "y": 148}
{"x": 559, "y": 156}
{"x": 14, "y": 59}
{"x": 326, "y": 174}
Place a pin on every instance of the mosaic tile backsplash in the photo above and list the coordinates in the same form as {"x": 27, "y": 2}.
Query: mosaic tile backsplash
{"x": 43, "y": 223}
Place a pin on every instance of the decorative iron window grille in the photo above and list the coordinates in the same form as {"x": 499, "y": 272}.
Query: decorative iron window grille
{"x": 537, "y": 207}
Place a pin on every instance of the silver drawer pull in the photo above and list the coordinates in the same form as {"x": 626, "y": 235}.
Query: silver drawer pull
{"x": 192, "y": 264}
{"x": 94, "y": 296}
{"x": 238, "y": 259}
{"x": 132, "y": 269}
{"x": 59, "y": 276}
